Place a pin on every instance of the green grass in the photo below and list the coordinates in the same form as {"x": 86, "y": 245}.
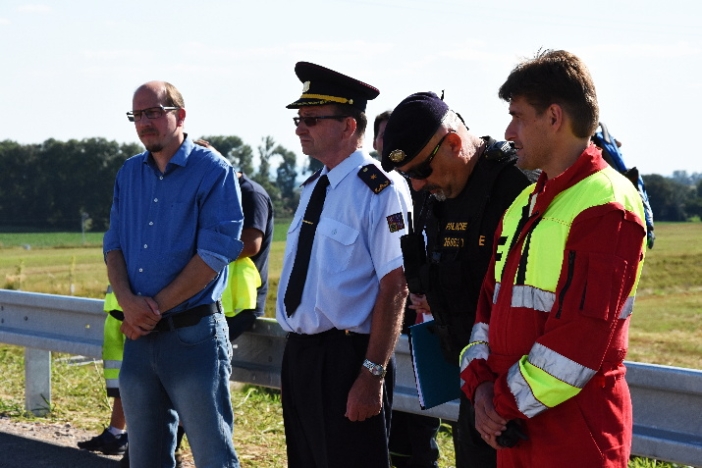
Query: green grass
{"x": 50, "y": 239}
{"x": 79, "y": 399}
{"x": 76, "y": 271}
{"x": 666, "y": 324}
{"x": 666, "y": 329}
{"x": 675, "y": 262}
{"x": 60, "y": 263}
{"x": 280, "y": 229}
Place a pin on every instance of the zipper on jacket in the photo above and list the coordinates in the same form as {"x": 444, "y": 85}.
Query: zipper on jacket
{"x": 569, "y": 278}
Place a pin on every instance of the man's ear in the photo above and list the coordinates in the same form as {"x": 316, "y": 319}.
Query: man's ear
{"x": 180, "y": 116}
{"x": 556, "y": 116}
{"x": 454, "y": 142}
{"x": 351, "y": 126}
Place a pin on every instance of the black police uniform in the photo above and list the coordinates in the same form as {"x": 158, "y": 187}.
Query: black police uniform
{"x": 413, "y": 436}
{"x": 460, "y": 234}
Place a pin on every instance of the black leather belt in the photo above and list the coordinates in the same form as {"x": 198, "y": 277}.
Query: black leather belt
{"x": 329, "y": 334}
{"x": 186, "y": 318}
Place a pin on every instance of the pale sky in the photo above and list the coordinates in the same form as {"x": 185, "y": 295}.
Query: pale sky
{"x": 70, "y": 67}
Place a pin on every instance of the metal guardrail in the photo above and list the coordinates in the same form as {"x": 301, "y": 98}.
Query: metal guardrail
{"x": 258, "y": 355}
{"x": 667, "y": 412}
{"x": 667, "y": 400}
{"x": 43, "y": 323}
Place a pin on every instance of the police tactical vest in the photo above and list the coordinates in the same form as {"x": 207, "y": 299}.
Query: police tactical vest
{"x": 459, "y": 247}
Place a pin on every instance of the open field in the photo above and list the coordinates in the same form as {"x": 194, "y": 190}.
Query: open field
{"x": 666, "y": 329}
{"x": 666, "y": 325}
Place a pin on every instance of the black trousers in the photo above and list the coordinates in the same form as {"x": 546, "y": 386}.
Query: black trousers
{"x": 413, "y": 440}
{"x": 471, "y": 450}
{"x": 317, "y": 374}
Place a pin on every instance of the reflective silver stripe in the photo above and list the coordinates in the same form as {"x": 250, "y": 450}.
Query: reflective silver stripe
{"x": 112, "y": 364}
{"x": 496, "y": 293}
{"x": 478, "y": 350}
{"x": 477, "y": 347}
{"x": 559, "y": 366}
{"x": 532, "y": 298}
{"x": 526, "y": 401}
{"x": 112, "y": 383}
{"x": 628, "y": 308}
{"x": 480, "y": 332}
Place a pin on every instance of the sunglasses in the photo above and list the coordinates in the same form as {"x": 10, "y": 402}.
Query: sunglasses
{"x": 151, "y": 113}
{"x": 423, "y": 170}
{"x": 312, "y": 121}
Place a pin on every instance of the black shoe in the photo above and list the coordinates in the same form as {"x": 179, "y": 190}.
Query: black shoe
{"x": 124, "y": 462}
{"x": 106, "y": 443}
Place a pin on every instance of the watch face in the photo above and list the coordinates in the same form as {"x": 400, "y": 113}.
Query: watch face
{"x": 375, "y": 369}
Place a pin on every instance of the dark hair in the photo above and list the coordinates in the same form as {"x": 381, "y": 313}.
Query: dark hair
{"x": 380, "y": 118}
{"x": 358, "y": 115}
{"x": 556, "y": 77}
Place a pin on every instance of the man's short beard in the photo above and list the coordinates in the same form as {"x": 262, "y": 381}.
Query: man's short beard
{"x": 439, "y": 195}
{"x": 155, "y": 148}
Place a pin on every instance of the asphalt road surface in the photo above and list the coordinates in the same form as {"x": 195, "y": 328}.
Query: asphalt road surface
{"x": 20, "y": 452}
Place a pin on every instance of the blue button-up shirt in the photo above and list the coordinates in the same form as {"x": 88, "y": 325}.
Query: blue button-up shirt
{"x": 161, "y": 220}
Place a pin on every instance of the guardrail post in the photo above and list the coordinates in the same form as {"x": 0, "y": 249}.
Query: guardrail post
{"x": 37, "y": 375}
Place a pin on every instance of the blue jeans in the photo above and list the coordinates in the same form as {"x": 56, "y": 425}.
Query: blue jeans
{"x": 182, "y": 373}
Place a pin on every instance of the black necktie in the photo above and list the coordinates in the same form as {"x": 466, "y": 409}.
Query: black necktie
{"x": 298, "y": 276}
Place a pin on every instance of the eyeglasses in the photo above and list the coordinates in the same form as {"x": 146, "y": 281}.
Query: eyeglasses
{"x": 312, "y": 121}
{"x": 423, "y": 170}
{"x": 151, "y": 113}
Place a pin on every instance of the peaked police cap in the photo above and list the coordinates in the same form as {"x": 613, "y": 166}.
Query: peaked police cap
{"x": 324, "y": 86}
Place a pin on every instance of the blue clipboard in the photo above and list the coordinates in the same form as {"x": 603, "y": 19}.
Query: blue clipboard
{"x": 437, "y": 380}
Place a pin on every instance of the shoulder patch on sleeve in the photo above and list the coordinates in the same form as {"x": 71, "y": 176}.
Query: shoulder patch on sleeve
{"x": 396, "y": 222}
{"x": 374, "y": 178}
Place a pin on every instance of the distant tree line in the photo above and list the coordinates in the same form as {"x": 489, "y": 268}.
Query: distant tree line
{"x": 676, "y": 198}
{"x": 59, "y": 185}
{"x": 68, "y": 185}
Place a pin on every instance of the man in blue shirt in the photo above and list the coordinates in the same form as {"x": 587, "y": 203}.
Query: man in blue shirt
{"x": 175, "y": 225}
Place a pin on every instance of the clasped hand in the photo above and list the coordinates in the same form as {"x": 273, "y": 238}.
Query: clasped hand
{"x": 141, "y": 314}
{"x": 487, "y": 421}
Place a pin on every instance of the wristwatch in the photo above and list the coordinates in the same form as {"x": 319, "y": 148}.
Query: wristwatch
{"x": 375, "y": 369}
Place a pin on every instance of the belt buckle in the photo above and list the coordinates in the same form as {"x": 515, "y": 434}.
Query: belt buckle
{"x": 165, "y": 325}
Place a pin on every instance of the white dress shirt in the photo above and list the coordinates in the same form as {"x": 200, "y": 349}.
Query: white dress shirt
{"x": 357, "y": 242}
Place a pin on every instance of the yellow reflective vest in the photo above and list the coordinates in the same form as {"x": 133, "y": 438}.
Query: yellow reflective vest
{"x": 242, "y": 284}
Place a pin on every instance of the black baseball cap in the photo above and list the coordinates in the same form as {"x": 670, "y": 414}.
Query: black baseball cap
{"x": 411, "y": 126}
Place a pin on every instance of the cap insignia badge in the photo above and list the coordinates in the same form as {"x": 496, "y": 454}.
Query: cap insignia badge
{"x": 397, "y": 155}
{"x": 305, "y": 86}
